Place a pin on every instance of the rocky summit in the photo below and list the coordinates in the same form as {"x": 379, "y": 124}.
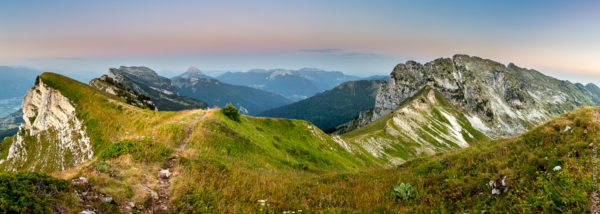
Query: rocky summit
{"x": 142, "y": 87}
{"x": 499, "y": 100}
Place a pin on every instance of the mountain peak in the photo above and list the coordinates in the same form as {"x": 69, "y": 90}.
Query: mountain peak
{"x": 506, "y": 99}
{"x": 137, "y": 70}
{"x": 193, "y": 72}
{"x": 193, "y": 69}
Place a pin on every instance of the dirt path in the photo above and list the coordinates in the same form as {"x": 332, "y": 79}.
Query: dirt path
{"x": 188, "y": 134}
{"x": 160, "y": 201}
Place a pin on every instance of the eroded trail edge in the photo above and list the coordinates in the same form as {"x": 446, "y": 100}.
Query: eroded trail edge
{"x": 160, "y": 203}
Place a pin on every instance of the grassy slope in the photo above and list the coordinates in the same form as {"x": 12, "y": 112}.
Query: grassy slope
{"x": 131, "y": 144}
{"x": 107, "y": 120}
{"x": 432, "y": 131}
{"x": 458, "y": 181}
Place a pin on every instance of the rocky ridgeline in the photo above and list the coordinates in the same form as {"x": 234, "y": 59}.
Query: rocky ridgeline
{"x": 52, "y": 137}
{"x": 131, "y": 97}
{"x": 142, "y": 87}
{"x": 500, "y": 100}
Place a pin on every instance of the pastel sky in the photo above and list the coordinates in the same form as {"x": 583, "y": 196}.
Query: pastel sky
{"x": 560, "y": 38}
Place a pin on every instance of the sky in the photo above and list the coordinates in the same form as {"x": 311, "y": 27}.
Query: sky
{"x": 85, "y": 38}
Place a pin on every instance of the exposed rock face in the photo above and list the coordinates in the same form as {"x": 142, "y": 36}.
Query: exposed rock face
{"x": 108, "y": 85}
{"x": 56, "y": 138}
{"x": 364, "y": 118}
{"x": 145, "y": 88}
{"x": 500, "y": 100}
{"x": 426, "y": 124}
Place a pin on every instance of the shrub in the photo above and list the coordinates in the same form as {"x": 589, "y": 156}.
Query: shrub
{"x": 403, "y": 191}
{"x": 30, "y": 192}
{"x": 231, "y": 112}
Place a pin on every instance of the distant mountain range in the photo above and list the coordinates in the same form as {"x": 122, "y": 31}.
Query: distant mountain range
{"x": 332, "y": 107}
{"x": 249, "y": 100}
{"x": 292, "y": 84}
{"x": 142, "y": 87}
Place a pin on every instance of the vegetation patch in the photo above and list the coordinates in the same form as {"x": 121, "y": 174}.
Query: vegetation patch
{"x": 231, "y": 112}
{"x": 33, "y": 193}
{"x": 145, "y": 149}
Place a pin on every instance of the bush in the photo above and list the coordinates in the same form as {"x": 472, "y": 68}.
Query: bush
{"x": 30, "y": 192}
{"x": 403, "y": 191}
{"x": 231, "y": 112}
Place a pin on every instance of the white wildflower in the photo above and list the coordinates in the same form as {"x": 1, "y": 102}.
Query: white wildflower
{"x": 557, "y": 168}
{"x": 495, "y": 191}
{"x": 567, "y": 128}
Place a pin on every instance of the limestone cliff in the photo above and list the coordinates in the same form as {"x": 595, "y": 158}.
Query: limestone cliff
{"x": 51, "y": 138}
{"x": 500, "y": 100}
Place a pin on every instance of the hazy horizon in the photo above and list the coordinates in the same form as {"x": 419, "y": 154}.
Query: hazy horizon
{"x": 557, "y": 38}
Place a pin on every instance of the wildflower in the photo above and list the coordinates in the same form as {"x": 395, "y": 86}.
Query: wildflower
{"x": 557, "y": 168}
{"x": 495, "y": 191}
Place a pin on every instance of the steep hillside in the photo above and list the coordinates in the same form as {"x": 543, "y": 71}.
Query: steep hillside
{"x": 292, "y": 84}
{"x": 504, "y": 100}
{"x": 142, "y": 87}
{"x": 425, "y": 124}
{"x": 250, "y": 100}
{"x": 593, "y": 89}
{"x": 73, "y": 131}
{"x": 332, "y": 107}
{"x": 550, "y": 169}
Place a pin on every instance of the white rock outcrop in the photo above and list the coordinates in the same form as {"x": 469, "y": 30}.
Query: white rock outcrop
{"x": 52, "y": 137}
{"x": 503, "y": 100}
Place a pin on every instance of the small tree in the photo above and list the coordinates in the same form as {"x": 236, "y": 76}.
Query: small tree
{"x": 231, "y": 112}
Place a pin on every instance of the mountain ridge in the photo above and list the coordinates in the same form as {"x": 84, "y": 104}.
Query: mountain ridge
{"x": 292, "y": 84}
{"x": 216, "y": 93}
{"x": 144, "y": 88}
{"x": 503, "y": 100}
